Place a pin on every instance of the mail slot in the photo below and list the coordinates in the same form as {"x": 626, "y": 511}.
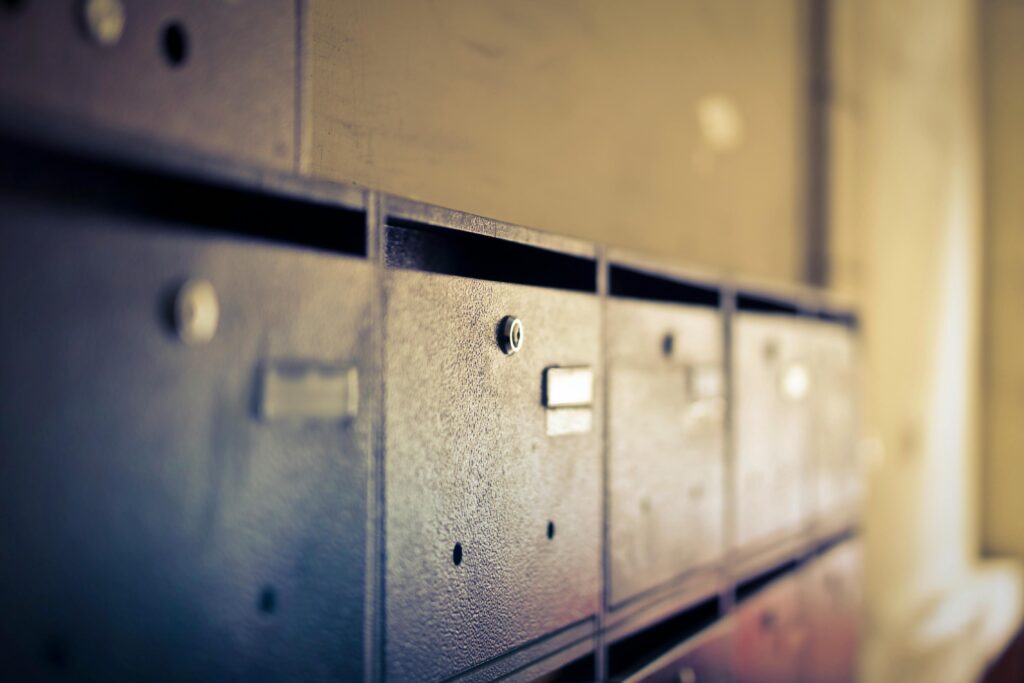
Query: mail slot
{"x": 492, "y": 465}
{"x": 214, "y": 76}
{"x": 665, "y": 442}
{"x": 837, "y": 480}
{"x": 159, "y": 523}
{"x": 774, "y": 392}
{"x": 704, "y": 658}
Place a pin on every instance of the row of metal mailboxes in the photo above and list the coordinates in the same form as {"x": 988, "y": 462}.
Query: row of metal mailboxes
{"x": 227, "y": 456}
{"x": 804, "y": 626}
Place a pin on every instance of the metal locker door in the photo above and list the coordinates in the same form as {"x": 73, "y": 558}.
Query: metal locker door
{"x": 665, "y": 443}
{"x": 770, "y": 635}
{"x": 185, "y": 422}
{"x": 493, "y": 500}
{"x": 773, "y": 370}
{"x": 832, "y": 585}
{"x": 837, "y": 473}
{"x": 214, "y": 76}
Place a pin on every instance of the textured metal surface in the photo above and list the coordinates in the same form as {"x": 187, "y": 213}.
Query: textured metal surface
{"x": 772, "y": 429}
{"x": 467, "y": 461}
{"x": 832, "y": 587}
{"x": 705, "y": 658}
{"x": 771, "y": 634}
{"x": 154, "y": 527}
{"x": 233, "y": 92}
{"x": 665, "y": 443}
{"x": 837, "y": 477}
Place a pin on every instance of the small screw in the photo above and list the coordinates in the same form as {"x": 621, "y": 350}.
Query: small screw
{"x": 104, "y": 21}
{"x": 196, "y": 312}
{"x": 510, "y": 334}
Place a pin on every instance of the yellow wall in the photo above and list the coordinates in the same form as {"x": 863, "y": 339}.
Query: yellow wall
{"x": 668, "y": 127}
{"x": 1003, "y": 472}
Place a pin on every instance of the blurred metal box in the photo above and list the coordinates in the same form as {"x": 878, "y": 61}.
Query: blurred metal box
{"x": 771, "y": 635}
{"x": 665, "y": 442}
{"x": 215, "y": 76}
{"x": 833, "y": 600}
{"x": 837, "y": 479}
{"x": 186, "y": 420}
{"x": 773, "y": 365}
{"x": 493, "y": 488}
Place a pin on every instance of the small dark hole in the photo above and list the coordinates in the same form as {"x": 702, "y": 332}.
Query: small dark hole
{"x": 56, "y": 652}
{"x": 175, "y": 42}
{"x": 457, "y": 554}
{"x": 551, "y": 530}
{"x": 668, "y": 344}
{"x": 268, "y": 600}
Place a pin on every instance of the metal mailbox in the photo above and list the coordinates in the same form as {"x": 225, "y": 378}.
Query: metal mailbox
{"x": 492, "y": 469}
{"x": 837, "y": 480}
{"x": 186, "y": 428}
{"x": 833, "y": 603}
{"x": 215, "y": 76}
{"x": 773, "y": 365}
{"x": 665, "y": 442}
{"x": 771, "y": 634}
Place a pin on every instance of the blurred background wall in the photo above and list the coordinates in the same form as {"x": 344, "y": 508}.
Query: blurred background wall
{"x": 688, "y": 129}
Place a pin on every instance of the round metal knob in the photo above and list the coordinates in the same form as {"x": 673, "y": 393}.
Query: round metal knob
{"x": 510, "y": 334}
{"x": 196, "y": 312}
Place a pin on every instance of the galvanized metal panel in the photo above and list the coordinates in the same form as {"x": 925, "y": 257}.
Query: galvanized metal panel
{"x": 232, "y": 93}
{"x": 492, "y": 526}
{"x": 155, "y": 526}
{"x": 665, "y": 442}
{"x": 833, "y": 596}
{"x": 771, "y": 635}
{"x": 773, "y": 365}
{"x": 837, "y": 476}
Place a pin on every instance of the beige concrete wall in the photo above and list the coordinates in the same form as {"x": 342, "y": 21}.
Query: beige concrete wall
{"x": 672, "y": 127}
{"x": 1003, "y": 470}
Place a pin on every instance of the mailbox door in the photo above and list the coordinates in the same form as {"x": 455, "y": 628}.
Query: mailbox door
{"x": 157, "y": 523}
{"x": 493, "y": 501}
{"x": 837, "y": 477}
{"x": 665, "y": 440}
{"x": 771, "y": 635}
{"x": 773, "y": 366}
{"x": 833, "y": 600}
{"x": 217, "y": 76}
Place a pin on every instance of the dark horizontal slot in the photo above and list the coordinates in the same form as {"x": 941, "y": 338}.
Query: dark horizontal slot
{"x": 762, "y": 304}
{"x": 835, "y": 540}
{"x": 632, "y": 653}
{"x": 145, "y": 193}
{"x": 633, "y": 284}
{"x": 454, "y": 252}
{"x": 583, "y": 670}
{"x": 756, "y": 583}
{"x": 847, "y": 319}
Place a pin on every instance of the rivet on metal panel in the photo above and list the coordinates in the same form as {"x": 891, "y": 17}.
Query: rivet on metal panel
{"x": 510, "y": 334}
{"x": 687, "y": 675}
{"x": 104, "y": 21}
{"x": 196, "y": 312}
